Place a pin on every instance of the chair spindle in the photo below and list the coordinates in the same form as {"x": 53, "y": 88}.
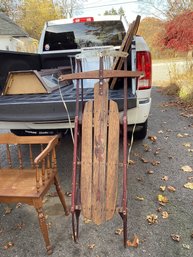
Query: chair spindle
{"x": 8, "y": 155}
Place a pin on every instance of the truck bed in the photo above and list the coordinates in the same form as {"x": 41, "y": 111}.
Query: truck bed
{"x": 49, "y": 107}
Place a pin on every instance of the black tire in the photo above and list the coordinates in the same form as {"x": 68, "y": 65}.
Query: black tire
{"x": 140, "y": 131}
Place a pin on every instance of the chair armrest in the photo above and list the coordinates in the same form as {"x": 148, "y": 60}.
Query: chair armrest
{"x": 47, "y": 150}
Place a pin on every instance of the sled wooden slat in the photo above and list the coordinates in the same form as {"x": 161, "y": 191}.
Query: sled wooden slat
{"x": 86, "y": 171}
{"x": 112, "y": 159}
{"x": 99, "y": 153}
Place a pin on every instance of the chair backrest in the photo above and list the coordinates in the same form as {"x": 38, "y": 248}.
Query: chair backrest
{"x": 29, "y": 152}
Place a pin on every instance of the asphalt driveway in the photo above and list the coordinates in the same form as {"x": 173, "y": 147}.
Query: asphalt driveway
{"x": 156, "y": 162}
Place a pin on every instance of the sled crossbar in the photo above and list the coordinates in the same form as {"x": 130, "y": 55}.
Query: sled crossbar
{"x": 106, "y": 74}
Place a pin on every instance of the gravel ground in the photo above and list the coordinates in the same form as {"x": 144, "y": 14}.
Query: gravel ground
{"x": 21, "y": 227}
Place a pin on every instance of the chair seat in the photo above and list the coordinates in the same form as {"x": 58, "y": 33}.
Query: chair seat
{"x": 37, "y": 171}
{"x": 19, "y": 183}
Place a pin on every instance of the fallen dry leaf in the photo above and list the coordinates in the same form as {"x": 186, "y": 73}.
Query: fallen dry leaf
{"x": 119, "y": 231}
{"x": 162, "y": 188}
{"x": 156, "y": 152}
{"x": 8, "y": 245}
{"x": 186, "y": 115}
{"x": 49, "y": 225}
{"x": 186, "y": 168}
{"x": 152, "y": 218}
{"x": 68, "y": 194}
{"x": 86, "y": 221}
{"x": 136, "y": 154}
{"x": 131, "y": 162}
{"x": 91, "y": 246}
{"x": 159, "y": 209}
{"x": 182, "y": 135}
{"x": 45, "y": 199}
{"x": 189, "y": 185}
{"x": 20, "y": 225}
{"x": 147, "y": 148}
{"x": 7, "y": 210}
{"x": 190, "y": 150}
{"x": 18, "y": 205}
{"x": 150, "y": 172}
{"x": 139, "y": 198}
{"x": 175, "y": 237}
{"x": 162, "y": 199}
{"x": 152, "y": 138}
{"x": 171, "y": 189}
{"x": 155, "y": 163}
{"x": 187, "y": 145}
{"x": 134, "y": 243}
{"x": 165, "y": 178}
{"x": 186, "y": 246}
{"x": 165, "y": 215}
{"x": 144, "y": 160}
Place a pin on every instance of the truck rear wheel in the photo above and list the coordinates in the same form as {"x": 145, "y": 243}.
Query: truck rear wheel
{"x": 140, "y": 131}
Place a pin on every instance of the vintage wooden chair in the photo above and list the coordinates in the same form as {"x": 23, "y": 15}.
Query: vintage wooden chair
{"x": 25, "y": 179}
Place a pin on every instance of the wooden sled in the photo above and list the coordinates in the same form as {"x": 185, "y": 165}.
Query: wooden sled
{"x": 95, "y": 166}
{"x": 96, "y": 135}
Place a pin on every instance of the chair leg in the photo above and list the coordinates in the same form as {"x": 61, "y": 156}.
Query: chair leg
{"x": 43, "y": 225}
{"x": 61, "y": 195}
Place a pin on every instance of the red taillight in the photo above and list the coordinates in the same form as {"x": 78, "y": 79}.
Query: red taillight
{"x": 83, "y": 19}
{"x": 144, "y": 64}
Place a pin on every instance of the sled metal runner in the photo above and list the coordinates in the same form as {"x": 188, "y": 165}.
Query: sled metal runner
{"x": 96, "y": 151}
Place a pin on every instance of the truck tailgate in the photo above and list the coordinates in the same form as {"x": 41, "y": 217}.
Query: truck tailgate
{"x": 49, "y": 107}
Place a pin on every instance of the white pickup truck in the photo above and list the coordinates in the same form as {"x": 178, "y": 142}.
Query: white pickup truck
{"x": 60, "y": 42}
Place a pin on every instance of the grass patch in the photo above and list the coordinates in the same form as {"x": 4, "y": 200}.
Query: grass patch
{"x": 181, "y": 84}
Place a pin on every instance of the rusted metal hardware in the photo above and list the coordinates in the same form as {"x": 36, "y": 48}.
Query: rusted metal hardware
{"x": 125, "y": 154}
{"x": 74, "y": 174}
{"x": 101, "y": 78}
